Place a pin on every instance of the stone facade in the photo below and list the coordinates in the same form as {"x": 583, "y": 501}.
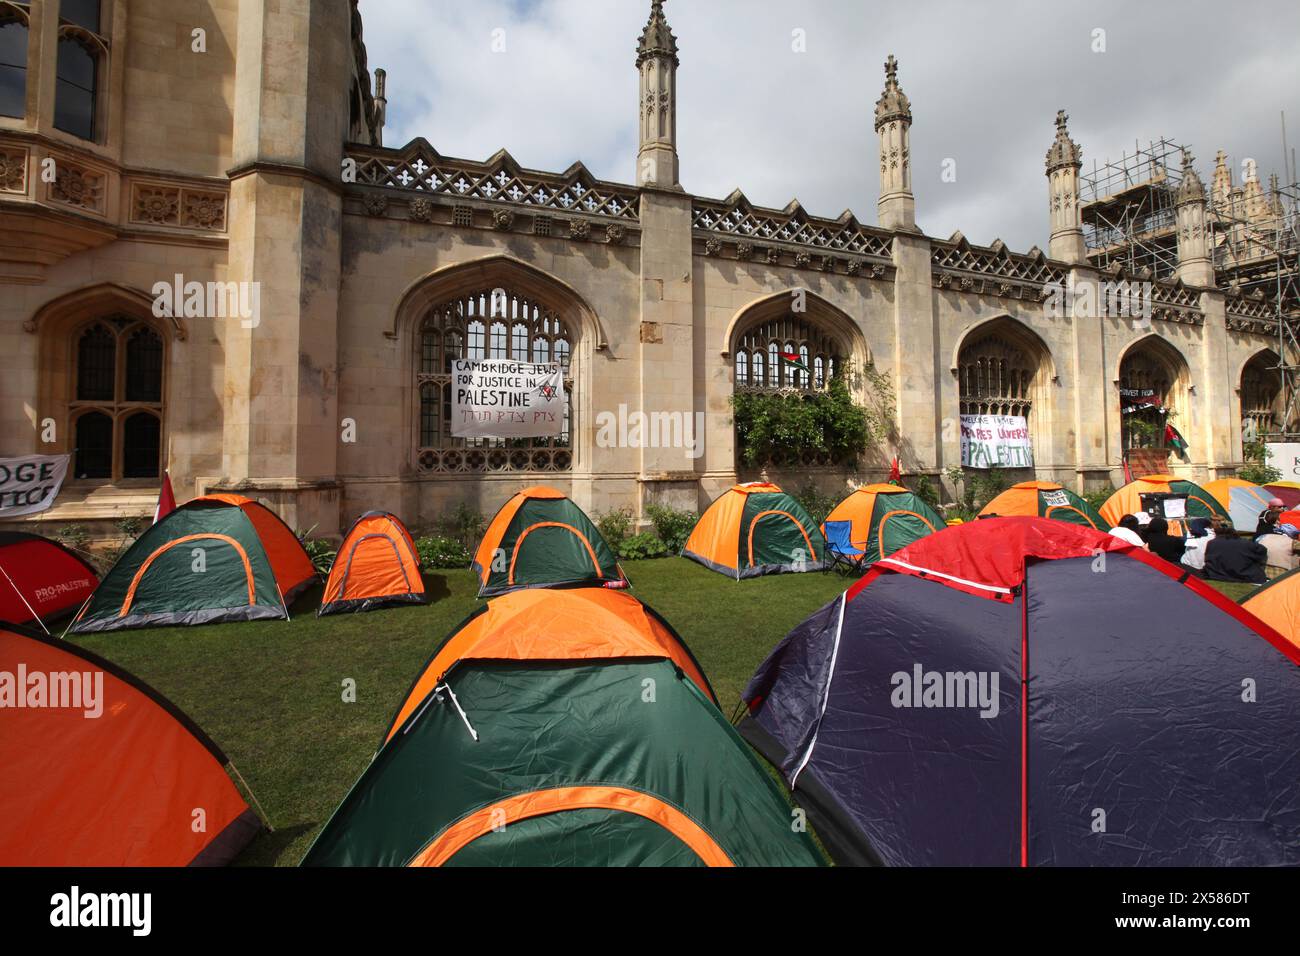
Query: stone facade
{"x": 224, "y": 166}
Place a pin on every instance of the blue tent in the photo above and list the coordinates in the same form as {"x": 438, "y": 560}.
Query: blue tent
{"x": 1021, "y": 691}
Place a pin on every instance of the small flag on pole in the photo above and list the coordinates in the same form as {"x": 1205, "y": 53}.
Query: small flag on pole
{"x": 895, "y": 473}
{"x": 166, "y": 500}
{"x": 793, "y": 359}
{"x": 1175, "y": 440}
{"x": 1128, "y": 474}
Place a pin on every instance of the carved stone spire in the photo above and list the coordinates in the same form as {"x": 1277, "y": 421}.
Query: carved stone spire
{"x": 1221, "y": 187}
{"x": 1194, "y": 265}
{"x": 657, "y": 38}
{"x": 897, "y": 205}
{"x": 656, "y": 61}
{"x": 1064, "y": 158}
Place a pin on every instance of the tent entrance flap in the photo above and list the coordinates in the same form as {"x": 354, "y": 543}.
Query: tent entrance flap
{"x": 780, "y": 539}
{"x": 538, "y": 803}
{"x": 558, "y": 542}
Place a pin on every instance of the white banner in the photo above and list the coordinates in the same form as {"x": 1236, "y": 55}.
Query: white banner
{"x": 29, "y": 485}
{"x": 502, "y": 398}
{"x": 1285, "y": 457}
{"x": 996, "y": 441}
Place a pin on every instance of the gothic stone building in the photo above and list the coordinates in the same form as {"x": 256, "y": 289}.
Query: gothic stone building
{"x": 240, "y": 141}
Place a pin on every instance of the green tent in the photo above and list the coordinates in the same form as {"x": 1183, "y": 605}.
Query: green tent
{"x": 541, "y": 539}
{"x": 588, "y": 739}
{"x": 216, "y": 558}
{"x": 756, "y": 528}
{"x": 882, "y": 519}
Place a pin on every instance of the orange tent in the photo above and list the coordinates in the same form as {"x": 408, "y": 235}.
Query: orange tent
{"x": 376, "y": 564}
{"x": 1277, "y": 604}
{"x": 99, "y": 769}
{"x": 1128, "y": 500}
{"x": 1045, "y": 499}
{"x": 756, "y": 528}
{"x": 564, "y": 624}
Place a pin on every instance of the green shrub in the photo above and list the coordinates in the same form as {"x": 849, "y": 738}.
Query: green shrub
{"x": 645, "y": 544}
{"x": 672, "y": 526}
{"x": 1257, "y": 469}
{"x": 817, "y": 503}
{"x": 462, "y": 524}
{"x": 440, "y": 551}
{"x": 925, "y": 489}
{"x": 615, "y": 526}
{"x": 1097, "y": 497}
{"x": 780, "y": 428}
{"x": 74, "y": 536}
{"x": 320, "y": 550}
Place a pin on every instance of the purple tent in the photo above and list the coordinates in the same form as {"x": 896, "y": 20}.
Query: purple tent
{"x": 1025, "y": 691}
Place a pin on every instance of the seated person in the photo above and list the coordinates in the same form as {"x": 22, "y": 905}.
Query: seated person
{"x": 1229, "y": 558}
{"x": 1280, "y": 546}
{"x": 1161, "y": 542}
{"x": 1199, "y": 533}
{"x": 1267, "y": 523}
{"x": 1127, "y": 530}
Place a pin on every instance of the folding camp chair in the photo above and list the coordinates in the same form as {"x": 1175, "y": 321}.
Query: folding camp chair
{"x": 846, "y": 557}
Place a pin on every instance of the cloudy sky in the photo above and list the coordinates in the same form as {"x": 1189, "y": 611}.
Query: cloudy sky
{"x": 985, "y": 80}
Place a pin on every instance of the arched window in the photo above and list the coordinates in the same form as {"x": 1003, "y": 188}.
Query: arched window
{"x": 995, "y": 377}
{"x": 116, "y": 409}
{"x": 1146, "y": 385}
{"x": 78, "y": 68}
{"x": 788, "y": 353}
{"x": 1261, "y": 388}
{"x": 492, "y": 323}
{"x": 13, "y": 60}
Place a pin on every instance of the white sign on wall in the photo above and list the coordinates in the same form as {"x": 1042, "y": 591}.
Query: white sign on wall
{"x": 30, "y": 484}
{"x": 996, "y": 441}
{"x": 502, "y": 398}
{"x": 1285, "y": 457}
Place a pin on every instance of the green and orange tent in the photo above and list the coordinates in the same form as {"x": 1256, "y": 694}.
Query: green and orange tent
{"x": 215, "y": 558}
{"x": 1045, "y": 499}
{"x": 884, "y": 518}
{"x": 756, "y": 528}
{"x": 376, "y": 565}
{"x": 541, "y": 539}
{"x": 1129, "y": 500}
{"x": 567, "y": 727}
{"x": 99, "y": 769}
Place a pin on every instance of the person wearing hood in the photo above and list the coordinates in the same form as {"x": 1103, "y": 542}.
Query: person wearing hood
{"x": 1161, "y": 542}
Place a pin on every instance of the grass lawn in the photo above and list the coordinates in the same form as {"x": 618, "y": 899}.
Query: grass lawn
{"x": 270, "y": 693}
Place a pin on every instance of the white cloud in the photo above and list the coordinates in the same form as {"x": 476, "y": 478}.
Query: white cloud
{"x": 985, "y": 82}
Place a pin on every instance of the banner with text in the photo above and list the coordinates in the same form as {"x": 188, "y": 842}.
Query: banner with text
{"x": 996, "y": 441}
{"x": 1285, "y": 457}
{"x": 29, "y": 485}
{"x": 501, "y": 398}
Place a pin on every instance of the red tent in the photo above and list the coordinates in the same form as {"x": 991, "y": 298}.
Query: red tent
{"x": 40, "y": 578}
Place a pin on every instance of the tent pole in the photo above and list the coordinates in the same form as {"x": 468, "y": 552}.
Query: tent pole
{"x": 77, "y": 617}
{"x": 282, "y": 601}
{"x": 252, "y": 796}
{"x": 23, "y": 598}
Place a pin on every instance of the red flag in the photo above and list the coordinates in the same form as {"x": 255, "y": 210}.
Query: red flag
{"x": 1128, "y": 475}
{"x": 166, "y": 500}
{"x": 895, "y": 474}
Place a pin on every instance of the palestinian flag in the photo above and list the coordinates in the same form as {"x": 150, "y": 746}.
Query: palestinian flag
{"x": 1175, "y": 440}
{"x": 792, "y": 358}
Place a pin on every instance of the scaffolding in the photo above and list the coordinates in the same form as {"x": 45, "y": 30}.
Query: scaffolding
{"x": 1129, "y": 220}
{"x": 1127, "y": 209}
